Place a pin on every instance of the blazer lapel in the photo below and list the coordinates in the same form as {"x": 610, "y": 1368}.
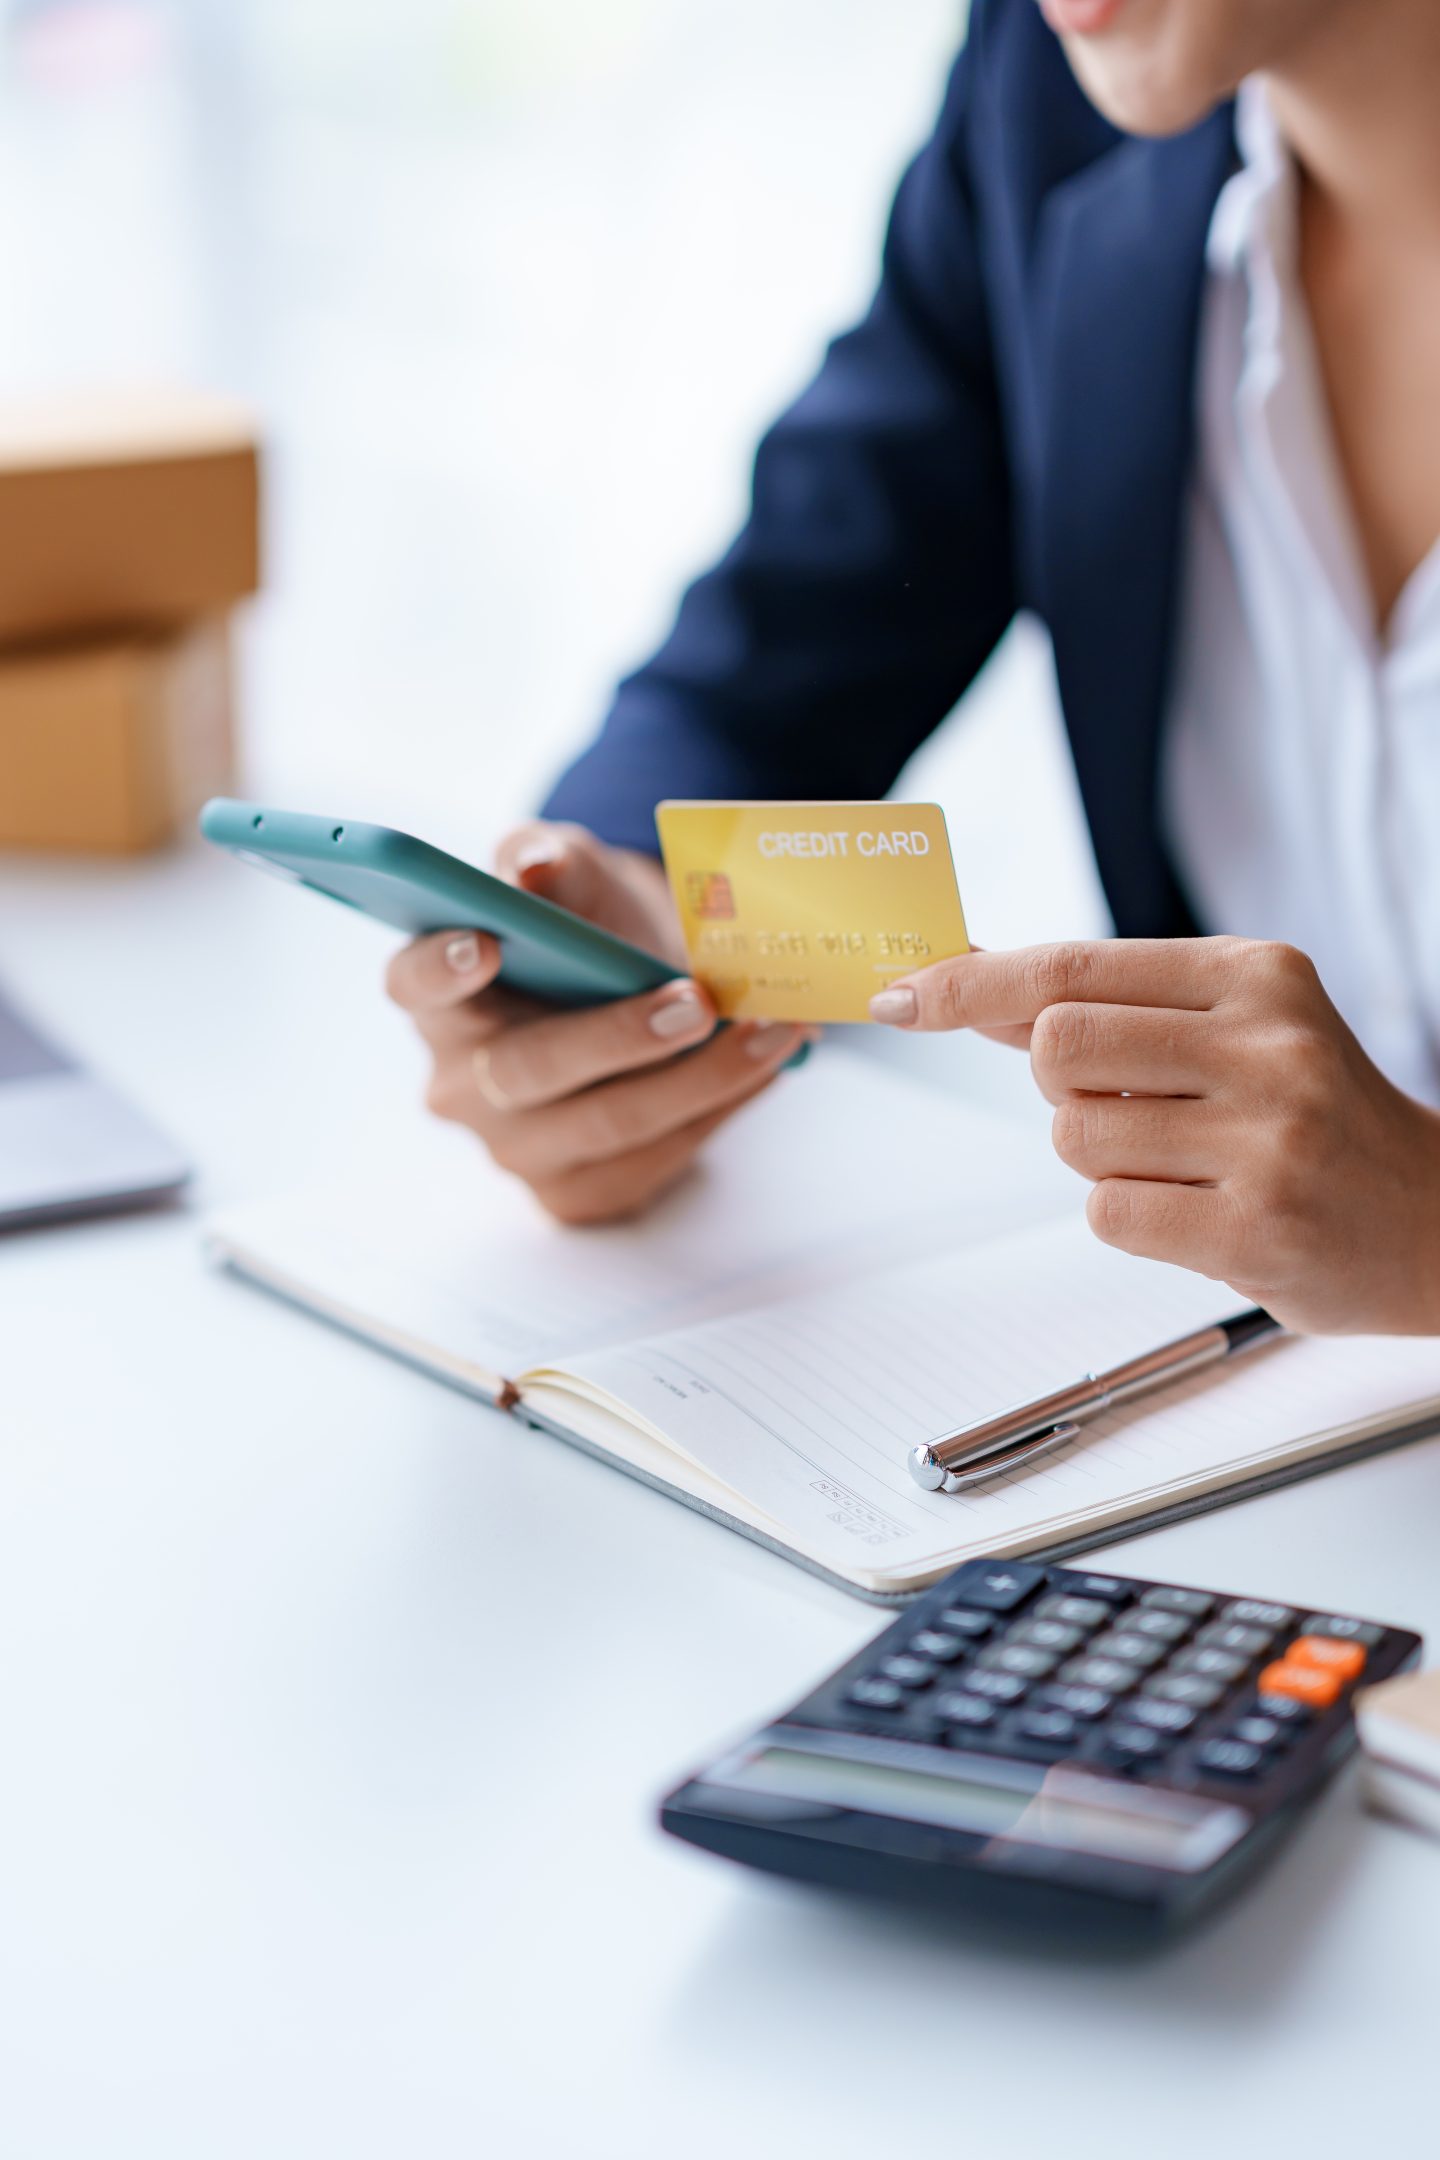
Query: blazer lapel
{"x": 1117, "y": 273}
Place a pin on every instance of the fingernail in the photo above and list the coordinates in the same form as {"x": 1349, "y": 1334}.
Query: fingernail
{"x": 895, "y": 1008}
{"x": 680, "y": 1013}
{"x": 463, "y": 954}
{"x": 769, "y": 1037}
{"x": 535, "y": 852}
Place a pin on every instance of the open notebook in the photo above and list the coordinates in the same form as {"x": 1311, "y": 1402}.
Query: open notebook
{"x": 861, "y": 1264}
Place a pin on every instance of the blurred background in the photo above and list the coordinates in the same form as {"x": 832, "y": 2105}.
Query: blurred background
{"x": 512, "y": 285}
{"x": 510, "y": 288}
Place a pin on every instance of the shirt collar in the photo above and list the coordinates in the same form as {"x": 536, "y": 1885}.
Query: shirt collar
{"x": 1254, "y": 213}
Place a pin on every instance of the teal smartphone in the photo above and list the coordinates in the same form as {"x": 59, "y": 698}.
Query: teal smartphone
{"x": 544, "y": 950}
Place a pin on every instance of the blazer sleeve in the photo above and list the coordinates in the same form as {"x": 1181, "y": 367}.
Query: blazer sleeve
{"x": 874, "y": 572}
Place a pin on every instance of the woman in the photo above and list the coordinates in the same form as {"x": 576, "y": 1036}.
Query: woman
{"x": 1155, "y": 353}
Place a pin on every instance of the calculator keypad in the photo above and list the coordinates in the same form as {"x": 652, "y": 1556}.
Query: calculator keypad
{"x": 1145, "y": 1680}
{"x": 1363, "y": 1632}
{"x": 1193, "y": 1604}
{"x": 961, "y": 1621}
{"x": 1211, "y": 1664}
{"x": 938, "y": 1645}
{"x": 1087, "y": 1614}
{"x": 1002, "y": 1586}
{"x": 909, "y": 1672}
{"x": 1316, "y": 1689}
{"x": 1048, "y": 1635}
{"x": 1079, "y": 1702}
{"x": 1134, "y": 1746}
{"x": 1249, "y": 1612}
{"x": 1131, "y": 1649}
{"x": 1162, "y": 1714}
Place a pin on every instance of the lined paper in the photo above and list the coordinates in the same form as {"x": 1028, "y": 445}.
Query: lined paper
{"x": 840, "y": 1166}
{"x": 809, "y": 1408}
{"x": 856, "y": 1269}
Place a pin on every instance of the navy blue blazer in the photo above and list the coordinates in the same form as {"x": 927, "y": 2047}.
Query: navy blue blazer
{"x": 1010, "y": 426}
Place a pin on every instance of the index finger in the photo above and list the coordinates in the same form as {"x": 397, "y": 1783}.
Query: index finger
{"x": 442, "y": 970}
{"x": 1011, "y": 989}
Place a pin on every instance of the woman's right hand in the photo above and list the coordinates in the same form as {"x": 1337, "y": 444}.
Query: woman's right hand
{"x": 595, "y": 1109}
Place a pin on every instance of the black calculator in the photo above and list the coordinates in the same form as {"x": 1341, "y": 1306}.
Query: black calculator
{"x": 1051, "y": 1744}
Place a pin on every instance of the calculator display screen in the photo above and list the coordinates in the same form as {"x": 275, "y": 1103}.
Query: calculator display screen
{"x": 1065, "y": 1809}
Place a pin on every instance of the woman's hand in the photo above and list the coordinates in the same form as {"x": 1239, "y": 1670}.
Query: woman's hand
{"x": 1227, "y": 1116}
{"x": 593, "y": 1109}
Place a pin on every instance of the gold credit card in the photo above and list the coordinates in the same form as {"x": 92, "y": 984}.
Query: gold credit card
{"x": 802, "y": 911}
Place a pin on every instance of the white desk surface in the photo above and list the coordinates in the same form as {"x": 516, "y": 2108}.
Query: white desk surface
{"x": 331, "y": 1754}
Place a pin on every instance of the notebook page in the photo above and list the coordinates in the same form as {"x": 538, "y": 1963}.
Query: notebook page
{"x": 808, "y": 1409}
{"x": 1275, "y": 1404}
{"x": 840, "y": 1166}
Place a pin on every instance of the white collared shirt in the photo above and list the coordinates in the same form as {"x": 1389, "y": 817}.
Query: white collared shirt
{"x": 1300, "y": 785}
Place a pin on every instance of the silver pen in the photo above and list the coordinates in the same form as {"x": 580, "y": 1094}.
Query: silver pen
{"x": 1021, "y": 1434}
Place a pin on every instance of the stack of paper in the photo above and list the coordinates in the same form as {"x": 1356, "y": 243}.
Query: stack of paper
{"x": 1399, "y": 1727}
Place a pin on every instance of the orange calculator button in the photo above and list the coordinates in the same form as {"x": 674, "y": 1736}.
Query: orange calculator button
{"x": 1302, "y": 1683}
{"x": 1345, "y": 1659}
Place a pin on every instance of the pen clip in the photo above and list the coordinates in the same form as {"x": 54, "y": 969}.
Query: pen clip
{"x": 1016, "y": 1455}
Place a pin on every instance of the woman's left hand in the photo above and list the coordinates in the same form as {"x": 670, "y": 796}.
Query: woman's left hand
{"x": 1226, "y": 1115}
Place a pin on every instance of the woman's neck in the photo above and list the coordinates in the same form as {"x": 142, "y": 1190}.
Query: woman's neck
{"x": 1358, "y": 100}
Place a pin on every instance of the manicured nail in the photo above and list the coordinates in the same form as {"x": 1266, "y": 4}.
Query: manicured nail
{"x": 895, "y": 1008}
{"x": 768, "y": 1038}
{"x": 463, "y": 954}
{"x": 680, "y": 1013}
{"x": 542, "y": 849}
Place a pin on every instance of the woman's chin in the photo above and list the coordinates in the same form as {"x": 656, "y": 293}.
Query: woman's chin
{"x": 1137, "y": 92}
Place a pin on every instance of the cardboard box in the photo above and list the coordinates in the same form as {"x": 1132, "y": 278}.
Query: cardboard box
{"x": 113, "y": 745}
{"x": 124, "y": 509}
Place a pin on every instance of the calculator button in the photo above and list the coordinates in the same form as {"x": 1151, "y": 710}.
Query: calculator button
{"x": 1134, "y": 1745}
{"x": 1161, "y": 1717}
{"x": 1000, "y": 1687}
{"x": 909, "y": 1672}
{"x": 876, "y": 1694}
{"x": 1047, "y": 1635}
{"x": 1252, "y": 1612}
{"x": 1230, "y": 1758}
{"x": 961, "y": 1620}
{"x": 967, "y": 1711}
{"x": 1361, "y": 1631}
{"x": 1053, "y": 1728}
{"x": 1283, "y": 1710}
{"x": 1166, "y": 1627}
{"x": 1194, "y": 1604}
{"x": 1075, "y": 1583}
{"x": 1345, "y": 1659}
{"x": 1246, "y": 1642}
{"x": 1210, "y": 1664}
{"x": 1261, "y": 1732}
{"x": 998, "y": 1586}
{"x": 1101, "y": 1672}
{"x": 1133, "y": 1649}
{"x": 930, "y": 1643}
{"x": 1018, "y": 1658}
{"x": 1188, "y": 1689}
{"x": 1079, "y": 1702}
{"x": 1303, "y": 1683}
{"x": 1087, "y": 1613}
